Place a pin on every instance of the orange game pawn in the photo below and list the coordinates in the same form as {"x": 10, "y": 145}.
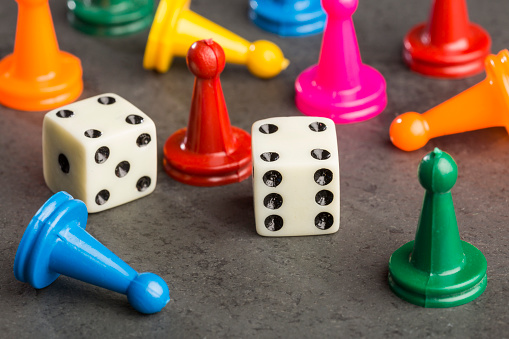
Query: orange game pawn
{"x": 209, "y": 152}
{"x": 481, "y": 106}
{"x": 38, "y": 76}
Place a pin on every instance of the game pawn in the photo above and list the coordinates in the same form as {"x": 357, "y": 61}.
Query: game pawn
{"x": 288, "y": 17}
{"x": 481, "y": 106}
{"x": 438, "y": 269}
{"x": 56, "y": 242}
{"x": 448, "y": 45}
{"x": 176, "y": 28}
{"x": 37, "y": 76}
{"x": 110, "y": 17}
{"x": 209, "y": 152}
{"x": 340, "y": 86}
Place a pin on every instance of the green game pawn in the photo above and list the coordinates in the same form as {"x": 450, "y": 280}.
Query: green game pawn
{"x": 438, "y": 269}
{"x": 110, "y": 17}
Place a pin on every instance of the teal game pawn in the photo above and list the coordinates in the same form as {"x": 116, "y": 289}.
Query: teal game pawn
{"x": 438, "y": 269}
{"x": 110, "y": 17}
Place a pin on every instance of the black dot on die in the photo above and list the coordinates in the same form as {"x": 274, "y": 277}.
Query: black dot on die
{"x": 64, "y": 163}
{"x": 320, "y": 154}
{"x": 274, "y": 222}
{"x": 134, "y": 119}
{"x": 272, "y": 178}
{"x": 323, "y": 176}
{"x": 65, "y": 113}
{"x": 317, "y": 126}
{"x": 268, "y": 128}
{"x": 273, "y": 201}
{"x": 106, "y": 100}
{"x": 102, "y": 154}
{"x": 269, "y": 156}
{"x": 102, "y": 197}
{"x": 143, "y": 140}
{"x": 93, "y": 133}
{"x": 143, "y": 183}
{"x": 324, "y": 197}
{"x": 122, "y": 169}
{"x": 324, "y": 220}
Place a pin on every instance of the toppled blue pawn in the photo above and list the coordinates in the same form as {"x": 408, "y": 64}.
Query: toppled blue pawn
{"x": 288, "y": 17}
{"x": 55, "y": 242}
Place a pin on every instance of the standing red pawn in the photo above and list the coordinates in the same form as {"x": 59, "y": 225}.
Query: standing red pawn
{"x": 448, "y": 45}
{"x": 209, "y": 152}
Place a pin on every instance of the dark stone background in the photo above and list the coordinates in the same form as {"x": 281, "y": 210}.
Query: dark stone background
{"x": 224, "y": 279}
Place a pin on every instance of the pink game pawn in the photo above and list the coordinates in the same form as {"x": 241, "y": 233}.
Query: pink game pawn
{"x": 209, "y": 152}
{"x": 340, "y": 86}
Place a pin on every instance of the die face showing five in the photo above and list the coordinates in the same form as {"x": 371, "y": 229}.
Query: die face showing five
{"x": 295, "y": 176}
{"x": 102, "y": 150}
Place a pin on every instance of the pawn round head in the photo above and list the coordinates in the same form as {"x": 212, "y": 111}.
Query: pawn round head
{"x": 205, "y": 59}
{"x": 265, "y": 60}
{"x": 437, "y": 172}
{"x": 409, "y": 131}
{"x": 340, "y": 8}
{"x": 148, "y": 293}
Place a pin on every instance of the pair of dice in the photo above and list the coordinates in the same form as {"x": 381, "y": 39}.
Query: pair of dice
{"x": 103, "y": 151}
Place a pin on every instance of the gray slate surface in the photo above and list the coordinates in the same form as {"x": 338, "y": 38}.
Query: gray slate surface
{"x": 224, "y": 279}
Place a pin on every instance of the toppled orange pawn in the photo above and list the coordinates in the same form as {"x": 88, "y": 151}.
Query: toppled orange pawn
{"x": 38, "y": 76}
{"x": 176, "y": 28}
{"x": 481, "y": 106}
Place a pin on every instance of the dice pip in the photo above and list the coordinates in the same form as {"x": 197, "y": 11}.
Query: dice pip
{"x": 295, "y": 176}
{"x": 102, "y": 150}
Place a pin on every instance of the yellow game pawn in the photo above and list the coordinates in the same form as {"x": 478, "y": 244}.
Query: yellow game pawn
{"x": 176, "y": 28}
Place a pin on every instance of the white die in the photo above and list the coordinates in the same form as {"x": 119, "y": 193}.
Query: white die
{"x": 101, "y": 150}
{"x": 295, "y": 176}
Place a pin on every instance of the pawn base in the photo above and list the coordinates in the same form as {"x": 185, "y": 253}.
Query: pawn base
{"x": 343, "y": 107}
{"x": 33, "y": 256}
{"x": 159, "y": 50}
{"x": 213, "y": 169}
{"x": 131, "y": 17}
{"x": 43, "y": 93}
{"x": 271, "y": 16}
{"x": 456, "y": 60}
{"x": 438, "y": 290}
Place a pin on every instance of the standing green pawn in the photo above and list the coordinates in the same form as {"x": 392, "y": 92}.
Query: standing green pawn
{"x": 110, "y": 17}
{"x": 438, "y": 269}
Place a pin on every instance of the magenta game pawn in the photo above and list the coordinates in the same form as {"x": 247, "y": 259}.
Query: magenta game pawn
{"x": 340, "y": 86}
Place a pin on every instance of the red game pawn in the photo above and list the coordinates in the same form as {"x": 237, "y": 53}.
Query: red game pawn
{"x": 448, "y": 45}
{"x": 209, "y": 152}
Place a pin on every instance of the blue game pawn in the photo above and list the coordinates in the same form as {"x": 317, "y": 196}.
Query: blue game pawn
{"x": 288, "y": 17}
{"x": 55, "y": 242}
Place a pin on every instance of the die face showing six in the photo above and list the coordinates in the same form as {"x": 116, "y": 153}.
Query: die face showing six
{"x": 295, "y": 176}
{"x": 102, "y": 150}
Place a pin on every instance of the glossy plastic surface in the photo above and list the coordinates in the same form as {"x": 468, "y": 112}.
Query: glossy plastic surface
{"x": 209, "y": 152}
{"x": 176, "y": 28}
{"x": 110, "y": 17}
{"x": 55, "y": 242}
{"x": 448, "y": 45}
{"x": 340, "y": 86}
{"x": 38, "y": 76}
{"x": 481, "y": 106}
{"x": 288, "y": 17}
{"x": 438, "y": 269}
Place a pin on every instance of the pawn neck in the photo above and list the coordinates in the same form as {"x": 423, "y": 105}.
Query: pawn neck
{"x": 448, "y": 23}
{"x": 340, "y": 59}
{"x": 35, "y": 37}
